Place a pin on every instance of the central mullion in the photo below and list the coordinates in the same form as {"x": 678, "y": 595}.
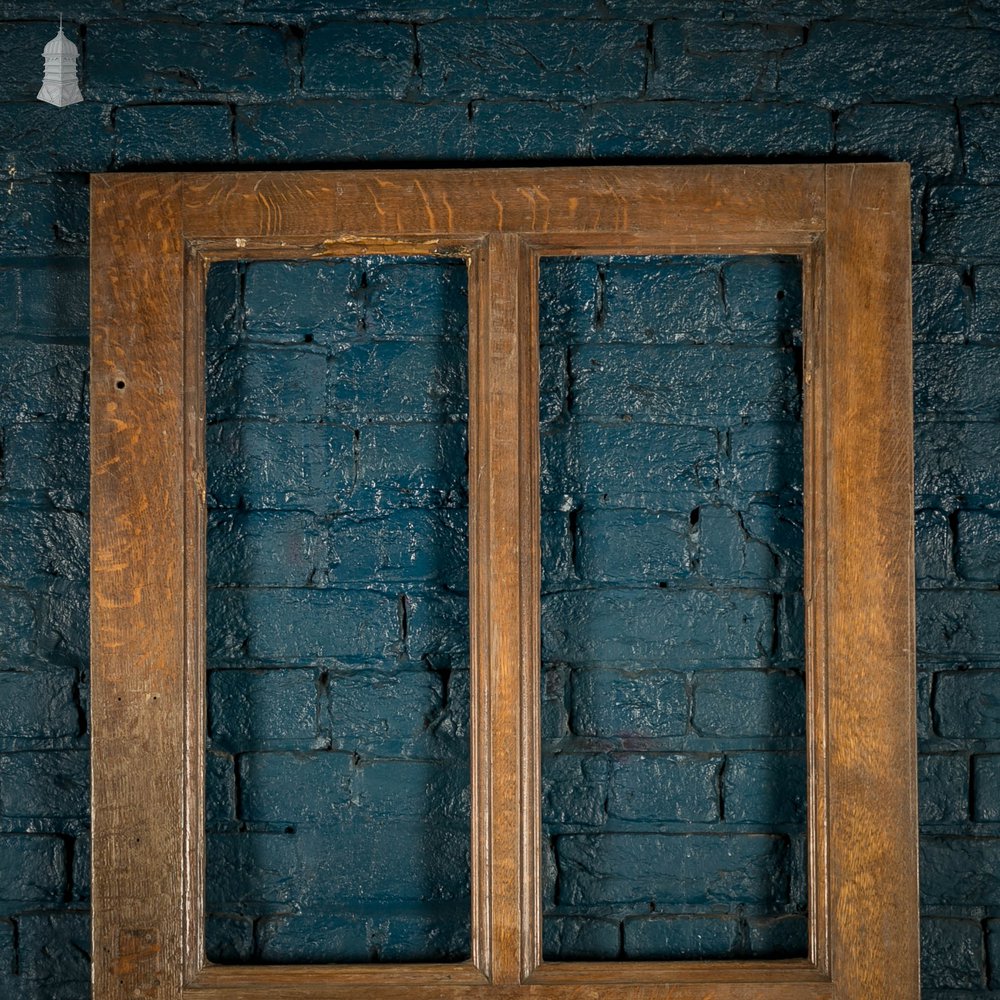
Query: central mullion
{"x": 504, "y": 595}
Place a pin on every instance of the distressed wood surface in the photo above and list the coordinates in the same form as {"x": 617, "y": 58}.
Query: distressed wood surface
{"x": 867, "y": 433}
{"x": 644, "y": 203}
{"x": 153, "y": 238}
{"x": 137, "y": 586}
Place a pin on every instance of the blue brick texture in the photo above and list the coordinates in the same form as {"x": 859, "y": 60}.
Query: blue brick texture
{"x": 674, "y": 458}
{"x": 325, "y": 83}
{"x": 338, "y": 612}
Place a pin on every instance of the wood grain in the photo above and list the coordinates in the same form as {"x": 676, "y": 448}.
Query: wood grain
{"x": 137, "y": 586}
{"x": 867, "y": 440}
{"x": 153, "y": 238}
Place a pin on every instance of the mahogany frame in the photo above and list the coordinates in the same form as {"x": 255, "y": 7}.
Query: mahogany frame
{"x": 153, "y": 238}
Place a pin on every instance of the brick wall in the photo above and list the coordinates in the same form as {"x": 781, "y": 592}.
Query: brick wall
{"x": 225, "y": 82}
{"x": 672, "y": 636}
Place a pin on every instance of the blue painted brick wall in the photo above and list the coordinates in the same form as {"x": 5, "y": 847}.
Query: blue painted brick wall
{"x": 223, "y": 82}
{"x": 671, "y": 625}
{"x": 338, "y": 636}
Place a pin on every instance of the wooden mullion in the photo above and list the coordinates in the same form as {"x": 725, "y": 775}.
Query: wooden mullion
{"x": 500, "y": 508}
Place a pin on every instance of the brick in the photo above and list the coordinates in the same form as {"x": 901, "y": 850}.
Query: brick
{"x": 763, "y": 458}
{"x": 38, "y": 703}
{"x": 960, "y": 871}
{"x": 708, "y": 37}
{"x": 628, "y": 702}
{"x": 642, "y": 300}
{"x": 295, "y": 787}
{"x": 957, "y": 382}
{"x": 267, "y": 549}
{"x": 927, "y": 138}
{"x": 951, "y": 954}
{"x": 228, "y": 939}
{"x": 46, "y": 460}
{"x": 689, "y": 936}
{"x": 779, "y": 937}
{"x": 986, "y": 303}
{"x": 18, "y": 638}
{"x": 386, "y": 714}
{"x": 849, "y": 63}
{"x": 557, "y": 543}
{"x": 398, "y": 861}
{"x": 414, "y": 298}
{"x": 54, "y": 954}
{"x": 174, "y": 134}
{"x": 400, "y": 380}
{"x": 692, "y": 129}
{"x": 220, "y": 788}
{"x": 682, "y": 626}
{"x": 666, "y": 869}
{"x": 327, "y": 788}
{"x": 568, "y": 298}
{"x": 34, "y": 867}
{"x": 958, "y": 222}
{"x": 423, "y": 460}
{"x": 978, "y": 556}
{"x": 417, "y": 789}
{"x": 41, "y": 380}
{"x": 36, "y": 142}
{"x": 955, "y": 459}
{"x": 576, "y": 59}
{"x": 45, "y": 219}
{"x": 273, "y": 709}
{"x": 437, "y": 933}
{"x": 632, "y": 465}
{"x": 941, "y": 302}
{"x": 47, "y": 784}
{"x": 80, "y": 878}
{"x": 630, "y": 545}
{"x": 764, "y": 788}
{"x": 177, "y": 61}
{"x": 763, "y": 298}
{"x": 993, "y": 951}
{"x": 555, "y": 707}
{"x": 45, "y": 298}
{"x": 285, "y": 301}
{"x": 256, "y": 464}
{"x": 934, "y": 546}
{"x": 356, "y": 59}
{"x": 944, "y": 788}
{"x": 8, "y": 952}
{"x": 690, "y": 65}
{"x": 761, "y": 544}
{"x": 347, "y": 130}
{"x": 981, "y": 139}
{"x": 985, "y": 788}
{"x": 313, "y": 937}
{"x": 41, "y": 546}
{"x": 675, "y": 383}
{"x": 958, "y": 623}
{"x": 749, "y": 703}
{"x": 521, "y": 130}
{"x": 574, "y": 789}
{"x": 286, "y": 384}
{"x": 301, "y": 626}
{"x": 664, "y": 788}
{"x": 580, "y": 937}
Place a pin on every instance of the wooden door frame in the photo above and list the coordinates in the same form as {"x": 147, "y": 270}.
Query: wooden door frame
{"x": 153, "y": 238}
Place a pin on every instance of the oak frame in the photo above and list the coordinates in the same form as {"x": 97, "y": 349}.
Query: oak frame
{"x": 153, "y": 238}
